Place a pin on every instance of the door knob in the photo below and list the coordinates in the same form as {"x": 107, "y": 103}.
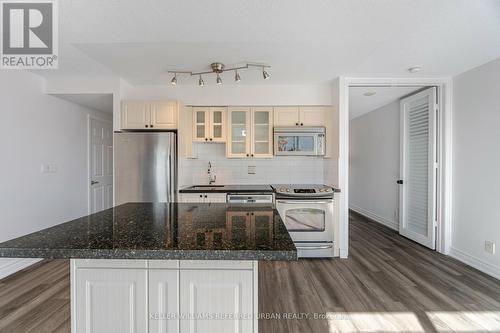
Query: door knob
{"x": 93, "y": 182}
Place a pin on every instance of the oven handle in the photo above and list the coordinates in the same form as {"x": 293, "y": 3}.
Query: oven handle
{"x": 304, "y": 201}
{"x": 322, "y": 247}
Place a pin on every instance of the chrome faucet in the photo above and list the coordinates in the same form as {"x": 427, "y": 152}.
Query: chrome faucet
{"x": 211, "y": 176}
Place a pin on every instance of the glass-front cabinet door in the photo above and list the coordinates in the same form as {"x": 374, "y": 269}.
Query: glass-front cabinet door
{"x": 262, "y": 132}
{"x": 201, "y": 124}
{"x": 238, "y": 143}
{"x": 217, "y": 124}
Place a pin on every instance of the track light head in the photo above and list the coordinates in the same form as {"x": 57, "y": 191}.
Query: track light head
{"x": 174, "y": 79}
{"x": 265, "y": 74}
{"x": 219, "y": 80}
{"x": 237, "y": 77}
{"x": 200, "y": 81}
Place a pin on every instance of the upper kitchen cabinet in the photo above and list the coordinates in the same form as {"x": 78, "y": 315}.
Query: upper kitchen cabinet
{"x": 312, "y": 115}
{"x": 300, "y": 116}
{"x": 209, "y": 124}
{"x": 286, "y": 116}
{"x": 149, "y": 115}
{"x": 262, "y": 132}
{"x": 250, "y": 132}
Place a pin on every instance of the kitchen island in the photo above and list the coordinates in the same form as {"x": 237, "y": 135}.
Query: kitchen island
{"x": 164, "y": 267}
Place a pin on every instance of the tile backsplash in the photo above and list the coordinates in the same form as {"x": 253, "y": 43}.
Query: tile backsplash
{"x": 282, "y": 169}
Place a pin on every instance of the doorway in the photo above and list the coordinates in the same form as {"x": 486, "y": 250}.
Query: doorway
{"x": 100, "y": 164}
{"x": 394, "y": 160}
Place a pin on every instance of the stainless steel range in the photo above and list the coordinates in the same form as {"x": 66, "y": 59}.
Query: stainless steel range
{"x": 307, "y": 211}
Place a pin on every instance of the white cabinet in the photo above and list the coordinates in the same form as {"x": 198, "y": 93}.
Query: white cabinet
{"x": 286, "y": 116}
{"x": 209, "y": 124}
{"x": 202, "y": 197}
{"x": 163, "y": 301}
{"x": 217, "y": 292}
{"x": 110, "y": 300}
{"x": 312, "y": 115}
{"x": 164, "y": 296}
{"x": 149, "y": 115}
{"x": 300, "y": 116}
{"x": 250, "y": 132}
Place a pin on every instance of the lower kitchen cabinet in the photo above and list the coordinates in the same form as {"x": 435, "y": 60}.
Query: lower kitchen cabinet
{"x": 163, "y": 296}
{"x": 163, "y": 301}
{"x": 110, "y": 300}
{"x": 202, "y": 197}
{"x": 217, "y": 301}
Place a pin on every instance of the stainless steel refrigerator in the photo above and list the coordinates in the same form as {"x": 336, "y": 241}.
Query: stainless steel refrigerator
{"x": 145, "y": 167}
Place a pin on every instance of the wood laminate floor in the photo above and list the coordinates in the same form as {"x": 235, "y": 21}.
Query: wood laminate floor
{"x": 388, "y": 284}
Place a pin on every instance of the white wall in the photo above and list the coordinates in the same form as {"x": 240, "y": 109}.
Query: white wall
{"x": 476, "y": 166}
{"x": 38, "y": 128}
{"x": 374, "y": 164}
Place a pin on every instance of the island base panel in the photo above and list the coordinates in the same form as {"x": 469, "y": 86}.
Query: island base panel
{"x": 164, "y": 296}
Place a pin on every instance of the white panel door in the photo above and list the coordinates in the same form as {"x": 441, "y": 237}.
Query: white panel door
{"x": 163, "y": 301}
{"x": 418, "y": 167}
{"x": 210, "y": 293}
{"x": 100, "y": 165}
{"x": 163, "y": 115}
{"x": 111, "y": 300}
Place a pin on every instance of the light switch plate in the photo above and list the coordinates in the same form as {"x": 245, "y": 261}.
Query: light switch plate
{"x": 489, "y": 247}
{"x": 252, "y": 170}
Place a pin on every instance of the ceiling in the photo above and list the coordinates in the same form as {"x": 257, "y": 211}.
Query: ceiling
{"x": 304, "y": 43}
{"x": 99, "y": 102}
{"x": 359, "y": 104}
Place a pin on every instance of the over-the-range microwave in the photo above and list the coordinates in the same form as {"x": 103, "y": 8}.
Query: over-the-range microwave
{"x": 299, "y": 141}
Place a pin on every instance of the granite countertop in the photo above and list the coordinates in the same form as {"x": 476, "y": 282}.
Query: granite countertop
{"x": 189, "y": 231}
{"x": 228, "y": 189}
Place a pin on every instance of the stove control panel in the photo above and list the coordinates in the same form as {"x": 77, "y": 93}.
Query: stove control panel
{"x": 304, "y": 190}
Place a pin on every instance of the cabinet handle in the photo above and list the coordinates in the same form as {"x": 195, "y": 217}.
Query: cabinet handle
{"x": 301, "y": 124}
{"x": 252, "y": 155}
{"x": 206, "y": 196}
{"x": 206, "y": 139}
{"x": 248, "y": 155}
{"x": 201, "y": 196}
{"x": 210, "y": 139}
{"x": 150, "y": 125}
{"x": 296, "y": 124}
{"x": 146, "y": 126}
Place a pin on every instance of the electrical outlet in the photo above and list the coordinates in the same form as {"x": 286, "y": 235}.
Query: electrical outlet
{"x": 489, "y": 247}
{"x": 252, "y": 170}
{"x": 45, "y": 168}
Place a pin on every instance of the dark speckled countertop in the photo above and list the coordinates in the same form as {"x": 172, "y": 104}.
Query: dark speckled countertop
{"x": 185, "y": 231}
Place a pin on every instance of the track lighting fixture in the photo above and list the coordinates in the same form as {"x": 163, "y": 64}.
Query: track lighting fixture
{"x": 219, "y": 68}
{"x": 265, "y": 74}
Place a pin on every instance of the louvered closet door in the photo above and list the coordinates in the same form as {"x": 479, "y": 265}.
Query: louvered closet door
{"x": 418, "y": 167}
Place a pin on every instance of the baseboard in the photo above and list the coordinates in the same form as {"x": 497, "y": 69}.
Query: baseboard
{"x": 377, "y": 218}
{"x": 475, "y": 262}
{"x": 9, "y": 266}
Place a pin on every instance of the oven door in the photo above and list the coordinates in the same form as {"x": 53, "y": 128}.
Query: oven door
{"x": 308, "y": 144}
{"x": 307, "y": 220}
